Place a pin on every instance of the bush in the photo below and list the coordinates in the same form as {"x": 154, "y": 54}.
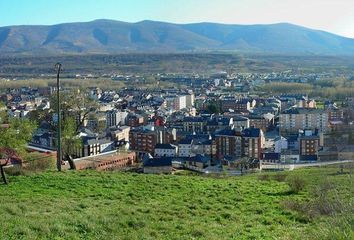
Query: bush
{"x": 40, "y": 163}
{"x": 280, "y": 177}
{"x": 15, "y": 170}
{"x": 326, "y": 200}
{"x": 33, "y": 162}
{"x": 296, "y": 183}
{"x": 264, "y": 177}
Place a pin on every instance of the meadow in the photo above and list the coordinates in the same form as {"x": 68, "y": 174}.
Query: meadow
{"x": 119, "y": 205}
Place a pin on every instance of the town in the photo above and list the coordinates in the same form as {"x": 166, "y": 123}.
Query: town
{"x": 188, "y": 119}
{"x": 209, "y": 123}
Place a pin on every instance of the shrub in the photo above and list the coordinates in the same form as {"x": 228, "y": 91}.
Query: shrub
{"x": 296, "y": 183}
{"x": 39, "y": 164}
{"x": 264, "y": 177}
{"x": 280, "y": 177}
{"x": 326, "y": 200}
{"x": 15, "y": 170}
{"x": 33, "y": 162}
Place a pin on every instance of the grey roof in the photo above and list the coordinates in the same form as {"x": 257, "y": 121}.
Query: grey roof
{"x": 227, "y": 132}
{"x": 303, "y": 111}
{"x": 185, "y": 141}
{"x": 165, "y": 146}
{"x": 158, "y": 162}
{"x": 199, "y": 158}
{"x": 251, "y": 132}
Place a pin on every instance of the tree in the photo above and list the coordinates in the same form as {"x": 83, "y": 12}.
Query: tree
{"x": 71, "y": 142}
{"x": 75, "y": 104}
{"x": 7, "y": 155}
{"x": 3, "y": 113}
{"x": 213, "y": 108}
{"x": 13, "y": 141}
{"x": 17, "y": 134}
{"x": 39, "y": 116}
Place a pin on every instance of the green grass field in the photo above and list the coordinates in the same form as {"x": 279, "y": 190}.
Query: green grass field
{"x": 115, "y": 205}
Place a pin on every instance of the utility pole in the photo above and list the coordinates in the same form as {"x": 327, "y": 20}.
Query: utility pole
{"x": 59, "y": 151}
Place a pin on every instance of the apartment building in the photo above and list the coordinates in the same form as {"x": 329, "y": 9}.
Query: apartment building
{"x": 295, "y": 119}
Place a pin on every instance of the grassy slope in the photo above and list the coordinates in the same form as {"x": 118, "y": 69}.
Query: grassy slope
{"x": 93, "y": 205}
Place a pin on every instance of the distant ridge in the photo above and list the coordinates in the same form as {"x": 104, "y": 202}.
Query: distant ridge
{"x": 110, "y": 36}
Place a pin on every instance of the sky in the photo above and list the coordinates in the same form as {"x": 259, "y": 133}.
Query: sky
{"x": 336, "y": 16}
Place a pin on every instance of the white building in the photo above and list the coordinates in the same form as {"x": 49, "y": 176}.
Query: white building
{"x": 280, "y": 144}
{"x": 166, "y": 150}
{"x": 185, "y": 148}
{"x": 178, "y": 102}
{"x": 114, "y": 118}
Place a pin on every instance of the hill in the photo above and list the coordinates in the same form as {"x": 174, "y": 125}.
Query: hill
{"x": 114, "y": 205}
{"x": 108, "y": 36}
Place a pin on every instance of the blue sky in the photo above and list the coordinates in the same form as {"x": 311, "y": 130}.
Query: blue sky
{"x": 336, "y": 16}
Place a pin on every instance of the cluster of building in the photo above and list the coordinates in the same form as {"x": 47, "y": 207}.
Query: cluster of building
{"x": 197, "y": 128}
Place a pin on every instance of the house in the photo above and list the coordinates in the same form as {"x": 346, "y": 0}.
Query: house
{"x": 185, "y": 147}
{"x": 119, "y": 134}
{"x": 158, "y": 165}
{"x": 135, "y": 120}
{"x": 328, "y": 154}
{"x": 334, "y": 113}
{"x": 241, "y": 122}
{"x": 194, "y": 124}
{"x": 115, "y": 117}
{"x": 144, "y": 139}
{"x": 93, "y": 146}
{"x": 165, "y": 150}
{"x": 290, "y": 156}
{"x": 346, "y": 152}
{"x": 178, "y": 102}
{"x": 203, "y": 144}
{"x": 271, "y": 157}
{"x": 198, "y": 162}
{"x": 264, "y": 122}
{"x": 44, "y": 140}
{"x": 280, "y": 143}
{"x": 291, "y": 100}
{"x": 195, "y": 144}
{"x": 237, "y": 105}
{"x": 216, "y": 123}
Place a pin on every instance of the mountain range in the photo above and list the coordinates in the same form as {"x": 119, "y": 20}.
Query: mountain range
{"x": 109, "y": 36}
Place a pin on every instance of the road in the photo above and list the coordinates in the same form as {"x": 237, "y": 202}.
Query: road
{"x": 301, "y": 165}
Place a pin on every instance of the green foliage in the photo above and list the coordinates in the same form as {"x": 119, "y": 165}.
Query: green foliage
{"x": 326, "y": 88}
{"x": 34, "y": 162}
{"x": 39, "y": 116}
{"x": 280, "y": 177}
{"x": 116, "y": 205}
{"x": 70, "y": 141}
{"x": 213, "y": 108}
{"x": 103, "y": 83}
{"x": 264, "y": 177}
{"x": 3, "y": 114}
{"x": 17, "y": 135}
{"x": 283, "y": 87}
{"x": 331, "y": 201}
{"x": 296, "y": 183}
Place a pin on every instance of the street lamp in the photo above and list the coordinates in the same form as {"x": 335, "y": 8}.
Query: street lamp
{"x": 59, "y": 152}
